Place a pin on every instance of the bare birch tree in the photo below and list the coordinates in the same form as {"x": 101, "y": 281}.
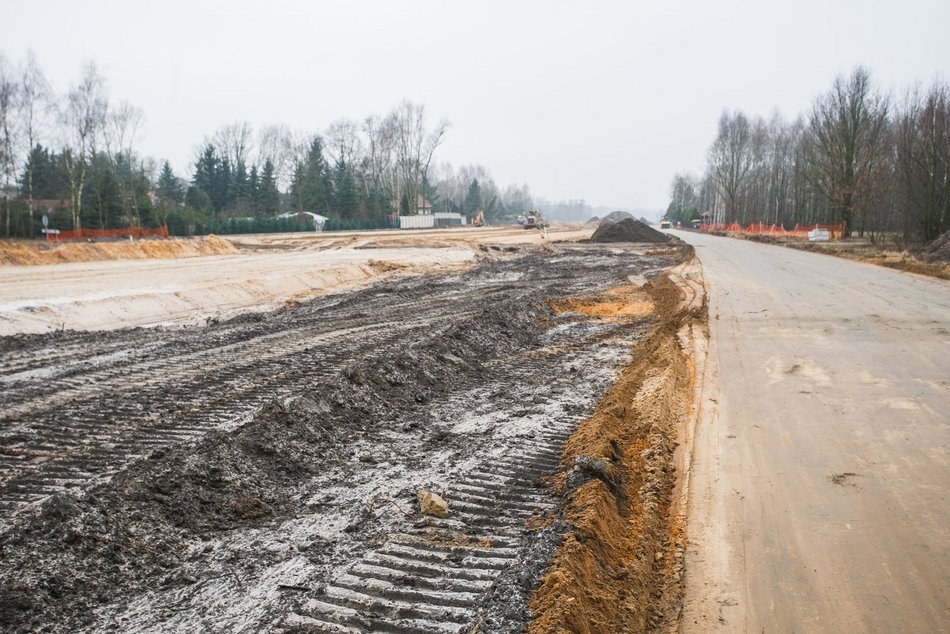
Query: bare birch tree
{"x": 9, "y": 103}
{"x": 36, "y": 102}
{"x": 122, "y": 126}
{"x": 82, "y": 118}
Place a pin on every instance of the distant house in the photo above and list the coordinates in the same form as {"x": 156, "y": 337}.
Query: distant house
{"x": 423, "y": 206}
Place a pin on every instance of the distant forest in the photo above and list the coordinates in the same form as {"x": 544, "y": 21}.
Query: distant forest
{"x": 860, "y": 157}
{"x": 74, "y": 156}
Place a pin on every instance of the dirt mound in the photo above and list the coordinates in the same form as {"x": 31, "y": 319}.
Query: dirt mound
{"x": 616, "y": 216}
{"x": 626, "y": 228}
{"x": 938, "y": 251}
{"x": 34, "y": 253}
{"x": 593, "y": 221}
{"x": 611, "y": 571}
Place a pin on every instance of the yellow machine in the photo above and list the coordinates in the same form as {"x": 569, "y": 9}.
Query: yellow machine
{"x": 533, "y": 220}
{"x": 664, "y": 224}
{"x": 479, "y": 219}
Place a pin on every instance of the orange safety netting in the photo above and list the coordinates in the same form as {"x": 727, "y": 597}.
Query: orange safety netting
{"x": 125, "y": 232}
{"x": 835, "y": 232}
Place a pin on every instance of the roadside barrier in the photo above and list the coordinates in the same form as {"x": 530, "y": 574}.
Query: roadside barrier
{"x": 106, "y": 234}
{"x": 835, "y": 232}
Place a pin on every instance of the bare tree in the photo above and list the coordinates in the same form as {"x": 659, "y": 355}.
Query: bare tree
{"x": 380, "y": 138}
{"x": 36, "y": 102}
{"x": 683, "y": 196}
{"x": 730, "y": 159}
{"x": 122, "y": 125}
{"x": 414, "y": 147}
{"x": 275, "y": 143}
{"x": 343, "y": 142}
{"x": 923, "y": 158}
{"x": 82, "y": 118}
{"x": 233, "y": 141}
{"x": 846, "y": 140}
{"x": 9, "y": 102}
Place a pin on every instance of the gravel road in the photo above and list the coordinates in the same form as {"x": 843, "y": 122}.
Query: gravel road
{"x": 820, "y": 473}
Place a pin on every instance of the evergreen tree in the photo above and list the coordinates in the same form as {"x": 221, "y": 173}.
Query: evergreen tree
{"x": 223, "y": 196}
{"x": 206, "y": 168}
{"x": 345, "y": 197}
{"x": 169, "y": 188}
{"x": 473, "y": 200}
{"x": 48, "y": 181}
{"x": 239, "y": 188}
{"x": 198, "y": 200}
{"x": 268, "y": 195}
{"x": 310, "y": 188}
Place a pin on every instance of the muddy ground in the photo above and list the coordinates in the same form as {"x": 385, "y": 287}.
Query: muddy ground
{"x": 261, "y": 474}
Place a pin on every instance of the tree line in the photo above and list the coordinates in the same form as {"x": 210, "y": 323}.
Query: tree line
{"x": 859, "y": 157}
{"x": 75, "y": 157}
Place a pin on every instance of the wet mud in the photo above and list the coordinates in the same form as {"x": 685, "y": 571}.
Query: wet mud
{"x": 262, "y": 474}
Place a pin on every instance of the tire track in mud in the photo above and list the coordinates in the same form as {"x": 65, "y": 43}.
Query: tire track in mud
{"x": 92, "y": 429}
{"x": 433, "y": 574}
{"x": 473, "y": 569}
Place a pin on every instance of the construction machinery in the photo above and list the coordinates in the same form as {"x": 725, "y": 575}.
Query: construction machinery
{"x": 479, "y": 219}
{"x": 664, "y": 224}
{"x": 532, "y": 220}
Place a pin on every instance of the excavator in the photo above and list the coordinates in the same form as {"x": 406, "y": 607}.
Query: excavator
{"x": 479, "y": 219}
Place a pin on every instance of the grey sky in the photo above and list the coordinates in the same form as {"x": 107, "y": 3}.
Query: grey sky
{"x": 597, "y": 100}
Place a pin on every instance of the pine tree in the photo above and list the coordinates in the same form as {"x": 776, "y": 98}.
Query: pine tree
{"x": 268, "y": 195}
{"x": 473, "y": 200}
{"x": 345, "y": 197}
{"x": 311, "y": 189}
{"x": 169, "y": 188}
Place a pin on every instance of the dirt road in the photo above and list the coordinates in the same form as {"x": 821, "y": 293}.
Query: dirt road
{"x": 819, "y": 482}
{"x": 261, "y": 474}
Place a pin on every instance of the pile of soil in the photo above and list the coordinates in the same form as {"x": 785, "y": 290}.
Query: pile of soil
{"x": 593, "y": 221}
{"x": 622, "y": 227}
{"x": 938, "y": 251}
{"x": 36, "y": 253}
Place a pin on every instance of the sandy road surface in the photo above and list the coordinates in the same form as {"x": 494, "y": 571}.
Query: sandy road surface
{"x": 270, "y": 270}
{"x": 820, "y": 475}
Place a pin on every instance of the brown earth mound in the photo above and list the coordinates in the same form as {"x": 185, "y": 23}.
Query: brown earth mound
{"x": 627, "y": 230}
{"x": 938, "y": 251}
{"x": 619, "y": 566}
{"x": 33, "y": 253}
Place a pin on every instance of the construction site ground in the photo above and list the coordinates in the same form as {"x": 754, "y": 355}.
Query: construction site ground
{"x": 105, "y": 285}
{"x": 240, "y": 470}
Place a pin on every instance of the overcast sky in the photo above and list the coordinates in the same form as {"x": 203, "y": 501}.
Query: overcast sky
{"x": 603, "y": 101}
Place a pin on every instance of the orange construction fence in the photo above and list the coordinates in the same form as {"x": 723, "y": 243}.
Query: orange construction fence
{"x": 105, "y": 234}
{"x": 835, "y": 232}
